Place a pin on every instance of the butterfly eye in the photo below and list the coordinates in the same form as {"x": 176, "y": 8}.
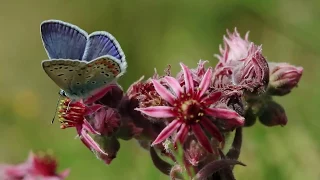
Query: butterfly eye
{"x": 62, "y": 93}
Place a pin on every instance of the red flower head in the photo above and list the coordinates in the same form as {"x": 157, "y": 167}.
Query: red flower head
{"x": 38, "y": 166}
{"x": 189, "y": 109}
{"x": 72, "y": 114}
{"x": 98, "y": 120}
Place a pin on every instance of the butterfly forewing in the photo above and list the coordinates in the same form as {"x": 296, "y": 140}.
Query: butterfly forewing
{"x": 63, "y": 40}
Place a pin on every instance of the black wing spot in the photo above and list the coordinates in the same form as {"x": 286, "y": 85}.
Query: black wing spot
{"x": 51, "y": 69}
{"x": 70, "y": 69}
{"x": 107, "y": 74}
{"x": 60, "y": 67}
{"x": 79, "y": 74}
{"x": 78, "y": 83}
{"x": 55, "y": 68}
{"x": 66, "y": 67}
{"x": 102, "y": 72}
{"x": 93, "y": 82}
{"x": 60, "y": 74}
{"x": 65, "y": 79}
{"x": 105, "y": 82}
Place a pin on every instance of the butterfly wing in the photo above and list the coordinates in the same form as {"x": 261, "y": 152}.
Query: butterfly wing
{"x": 63, "y": 40}
{"x": 102, "y": 43}
{"x": 62, "y": 71}
{"x": 97, "y": 74}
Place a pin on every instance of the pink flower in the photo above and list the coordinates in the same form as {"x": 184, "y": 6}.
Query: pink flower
{"x": 189, "y": 109}
{"x": 38, "y": 166}
{"x": 72, "y": 114}
{"x": 283, "y": 78}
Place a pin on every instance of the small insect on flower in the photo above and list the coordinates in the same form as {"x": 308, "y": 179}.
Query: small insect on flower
{"x": 81, "y": 64}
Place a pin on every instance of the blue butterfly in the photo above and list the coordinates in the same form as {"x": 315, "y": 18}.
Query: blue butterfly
{"x": 80, "y": 64}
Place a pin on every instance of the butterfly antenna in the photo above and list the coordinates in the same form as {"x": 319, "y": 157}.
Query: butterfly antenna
{"x": 54, "y": 116}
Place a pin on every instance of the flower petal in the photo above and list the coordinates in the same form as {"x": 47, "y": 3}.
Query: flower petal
{"x": 174, "y": 84}
{"x": 203, "y": 139}
{"x": 205, "y": 82}
{"x": 188, "y": 80}
{"x": 167, "y": 131}
{"x": 87, "y": 126}
{"x": 157, "y": 111}
{"x": 211, "y": 128}
{"x": 90, "y": 143}
{"x": 64, "y": 174}
{"x": 212, "y": 98}
{"x": 92, "y": 109}
{"x": 226, "y": 114}
{"x": 98, "y": 94}
{"x": 163, "y": 92}
{"x": 181, "y": 135}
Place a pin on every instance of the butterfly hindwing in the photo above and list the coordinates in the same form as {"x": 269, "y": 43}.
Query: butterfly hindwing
{"x": 102, "y": 43}
{"x": 97, "y": 74}
{"x": 62, "y": 71}
{"x": 63, "y": 40}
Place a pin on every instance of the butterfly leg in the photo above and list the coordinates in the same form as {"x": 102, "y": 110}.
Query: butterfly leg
{"x": 68, "y": 107}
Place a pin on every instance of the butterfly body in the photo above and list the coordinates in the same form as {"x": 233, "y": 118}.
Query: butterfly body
{"x": 80, "y": 64}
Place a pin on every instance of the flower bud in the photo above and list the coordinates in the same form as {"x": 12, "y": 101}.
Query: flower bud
{"x": 194, "y": 152}
{"x": 250, "y": 118}
{"x": 110, "y": 146}
{"x": 283, "y": 77}
{"x": 106, "y": 121}
{"x": 273, "y": 114}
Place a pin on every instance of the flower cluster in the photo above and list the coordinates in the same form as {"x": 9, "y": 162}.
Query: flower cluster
{"x": 197, "y": 111}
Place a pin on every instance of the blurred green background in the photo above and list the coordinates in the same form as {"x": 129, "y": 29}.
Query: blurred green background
{"x": 154, "y": 34}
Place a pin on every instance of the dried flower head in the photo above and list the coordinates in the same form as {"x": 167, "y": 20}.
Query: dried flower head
{"x": 241, "y": 65}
